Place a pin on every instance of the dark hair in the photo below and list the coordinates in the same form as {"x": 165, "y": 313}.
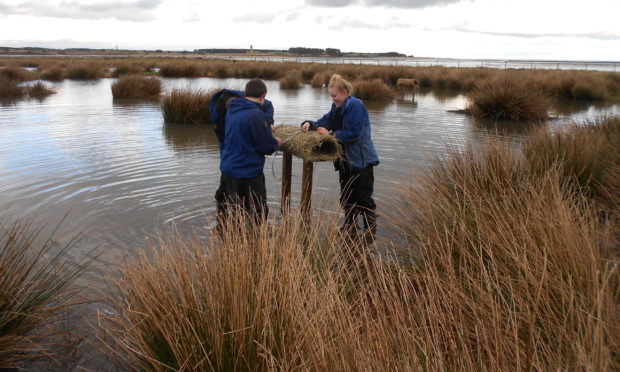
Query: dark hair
{"x": 221, "y": 105}
{"x": 255, "y": 88}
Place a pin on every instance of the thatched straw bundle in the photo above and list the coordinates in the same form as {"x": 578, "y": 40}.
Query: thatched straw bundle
{"x": 310, "y": 146}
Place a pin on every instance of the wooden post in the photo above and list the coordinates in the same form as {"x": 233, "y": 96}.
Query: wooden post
{"x": 287, "y": 167}
{"x": 306, "y": 188}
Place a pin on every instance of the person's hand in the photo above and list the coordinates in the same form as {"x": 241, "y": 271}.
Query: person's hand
{"x": 322, "y": 130}
{"x": 279, "y": 142}
{"x": 305, "y": 126}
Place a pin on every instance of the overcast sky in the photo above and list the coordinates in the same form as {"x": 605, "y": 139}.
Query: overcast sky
{"x": 536, "y": 29}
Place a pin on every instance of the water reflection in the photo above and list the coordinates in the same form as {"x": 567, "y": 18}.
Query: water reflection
{"x": 188, "y": 137}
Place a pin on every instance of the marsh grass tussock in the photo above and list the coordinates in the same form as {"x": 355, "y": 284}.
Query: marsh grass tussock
{"x": 136, "y": 86}
{"x": 10, "y": 88}
{"x": 373, "y": 90}
{"x": 53, "y": 73}
{"x": 585, "y": 155}
{"x": 185, "y": 106}
{"x": 39, "y": 90}
{"x": 35, "y": 290}
{"x": 84, "y": 71}
{"x": 182, "y": 69}
{"x": 292, "y": 80}
{"x": 508, "y": 99}
{"x": 16, "y": 74}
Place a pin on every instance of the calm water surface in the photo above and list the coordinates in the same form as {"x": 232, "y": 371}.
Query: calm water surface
{"x": 119, "y": 174}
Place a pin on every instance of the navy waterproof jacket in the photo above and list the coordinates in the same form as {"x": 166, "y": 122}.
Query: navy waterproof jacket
{"x": 248, "y": 139}
{"x": 218, "y": 117}
{"x": 354, "y": 133}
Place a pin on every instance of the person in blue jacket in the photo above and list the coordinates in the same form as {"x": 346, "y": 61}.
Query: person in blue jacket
{"x": 248, "y": 138}
{"x": 348, "y": 121}
{"x": 218, "y": 107}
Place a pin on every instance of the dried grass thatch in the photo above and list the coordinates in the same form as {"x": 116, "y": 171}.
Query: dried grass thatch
{"x": 310, "y": 146}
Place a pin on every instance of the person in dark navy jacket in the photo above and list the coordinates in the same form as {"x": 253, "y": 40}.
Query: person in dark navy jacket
{"x": 348, "y": 121}
{"x": 218, "y": 107}
{"x": 248, "y": 138}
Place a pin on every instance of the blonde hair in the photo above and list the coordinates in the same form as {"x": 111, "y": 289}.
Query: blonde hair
{"x": 339, "y": 82}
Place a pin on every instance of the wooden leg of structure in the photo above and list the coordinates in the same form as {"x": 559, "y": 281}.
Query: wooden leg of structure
{"x": 287, "y": 169}
{"x": 306, "y": 188}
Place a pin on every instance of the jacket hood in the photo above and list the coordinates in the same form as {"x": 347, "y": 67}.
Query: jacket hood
{"x": 242, "y": 104}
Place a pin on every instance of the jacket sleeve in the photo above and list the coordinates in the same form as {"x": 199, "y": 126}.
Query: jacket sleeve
{"x": 354, "y": 121}
{"x": 325, "y": 121}
{"x": 267, "y": 108}
{"x": 262, "y": 137}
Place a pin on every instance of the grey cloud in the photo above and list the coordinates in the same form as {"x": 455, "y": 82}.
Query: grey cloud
{"x": 139, "y": 10}
{"x": 525, "y": 35}
{"x": 255, "y": 18}
{"x": 411, "y": 4}
{"x": 356, "y": 23}
{"x": 332, "y": 3}
{"x": 292, "y": 17}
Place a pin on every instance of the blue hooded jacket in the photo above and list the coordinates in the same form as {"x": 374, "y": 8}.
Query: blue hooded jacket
{"x": 248, "y": 139}
{"x": 354, "y": 133}
{"x": 218, "y": 117}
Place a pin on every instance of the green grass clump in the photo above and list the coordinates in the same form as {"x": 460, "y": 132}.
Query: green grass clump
{"x": 136, "y": 86}
{"x": 183, "y": 106}
{"x": 373, "y": 90}
{"x": 508, "y": 99}
{"x": 35, "y": 290}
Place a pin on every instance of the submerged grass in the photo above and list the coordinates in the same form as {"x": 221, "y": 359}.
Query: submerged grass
{"x": 35, "y": 289}
{"x": 184, "y": 106}
{"x": 136, "y": 86}
{"x": 513, "y": 270}
{"x": 39, "y": 90}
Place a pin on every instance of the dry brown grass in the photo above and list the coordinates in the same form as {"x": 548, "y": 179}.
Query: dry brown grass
{"x": 10, "y": 88}
{"x": 508, "y": 99}
{"x": 184, "y": 106}
{"x": 319, "y": 80}
{"x": 373, "y": 90}
{"x": 136, "y": 86}
{"x": 292, "y": 80}
{"x": 84, "y": 71}
{"x": 35, "y": 290}
{"x": 182, "y": 69}
{"x": 16, "y": 74}
{"x": 53, "y": 73}
{"x": 511, "y": 270}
